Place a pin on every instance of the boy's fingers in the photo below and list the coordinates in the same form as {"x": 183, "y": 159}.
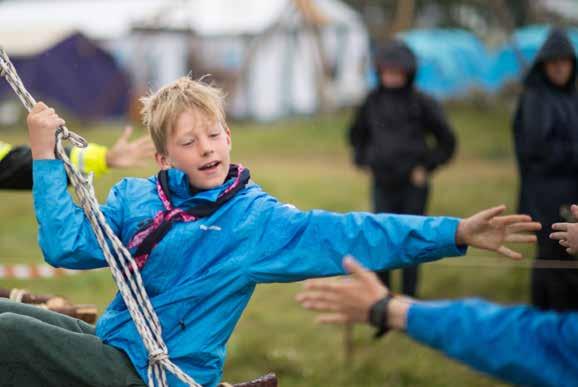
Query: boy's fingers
{"x": 521, "y": 238}
{"x": 559, "y": 235}
{"x": 515, "y": 219}
{"x": 524, "y": 227}
{"x": 492, "y": 212}
{"x": 564, "y": 243}
{"x": 503, "y": 250}
{"x": 40, "y": 106}
{"x": 332, "y": 318}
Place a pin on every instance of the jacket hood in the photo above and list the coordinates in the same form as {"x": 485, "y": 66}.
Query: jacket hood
{"x": 556, "y": 46}
{"x": 397, "y": 54}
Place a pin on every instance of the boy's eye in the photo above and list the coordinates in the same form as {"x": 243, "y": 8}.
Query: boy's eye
{"x": 213, "y": 135}
{"x": 188, "y": 142}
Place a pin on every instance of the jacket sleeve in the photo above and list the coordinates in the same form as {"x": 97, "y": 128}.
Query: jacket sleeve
{"x": 16, "y": 163}
{"x": 90, "y": 159}
{"x": 533, "y": 136}
{"x": 520, "y": 344}
{"x": 292, "y": 245}
{"x": 359, "y": 135}
{"x": 65, "y": 235}
{"x": 437, "y": 124}
{"x": 15, "y": 167}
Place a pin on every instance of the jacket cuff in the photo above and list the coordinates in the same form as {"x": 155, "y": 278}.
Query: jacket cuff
{"x": 447, "y": 240}
{"x": 90, "y": 159}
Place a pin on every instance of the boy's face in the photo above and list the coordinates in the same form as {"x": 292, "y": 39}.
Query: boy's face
{"x": 200, "y": 147}
{"x": 559, "y": 71}
{"x": 393, "y": 77}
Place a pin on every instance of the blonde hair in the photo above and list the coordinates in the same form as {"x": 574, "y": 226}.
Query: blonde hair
{"x": 161, "y": 109}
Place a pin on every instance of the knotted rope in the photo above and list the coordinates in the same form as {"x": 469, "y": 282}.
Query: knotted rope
{"x": 123, "y": 267}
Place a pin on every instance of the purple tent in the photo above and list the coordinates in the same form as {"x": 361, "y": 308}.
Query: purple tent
{"x": 75, "y": 75}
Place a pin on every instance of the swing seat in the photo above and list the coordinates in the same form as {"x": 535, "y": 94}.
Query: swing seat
{"x": 269, "y": 380}
{"x": 86, "y": 313}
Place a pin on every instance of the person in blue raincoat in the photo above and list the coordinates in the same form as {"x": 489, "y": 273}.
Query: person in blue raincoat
{"x": 203, "y": 236}
{"x": 518, "y": 344}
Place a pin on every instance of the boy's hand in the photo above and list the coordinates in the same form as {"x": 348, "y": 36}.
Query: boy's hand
{"x": 486, "y": 230}
{"x": 567, "y": 233}
{"x": 42, "y": 122}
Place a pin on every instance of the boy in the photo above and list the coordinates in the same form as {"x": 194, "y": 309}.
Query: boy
{"x": 390, "y": 134}
{"x": 200, "y": 274}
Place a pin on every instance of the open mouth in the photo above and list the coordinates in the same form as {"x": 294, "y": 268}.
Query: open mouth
{"x": 209, "y": 166}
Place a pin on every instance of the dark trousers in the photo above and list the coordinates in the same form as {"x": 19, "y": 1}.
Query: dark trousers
{"x": 401, "y": 199}
{"x": 40, "y": 348}
{"x": 553, "y": 289}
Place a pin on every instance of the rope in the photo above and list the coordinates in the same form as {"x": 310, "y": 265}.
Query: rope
{"x": 122, "y": 265}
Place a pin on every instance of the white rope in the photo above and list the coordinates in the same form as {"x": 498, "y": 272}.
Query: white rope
{"x": 123, "y": 267}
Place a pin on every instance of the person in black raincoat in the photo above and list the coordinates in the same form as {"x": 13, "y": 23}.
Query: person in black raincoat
{"x": 16, "y": 161}
{"x": 390, "y": 136}
{"x": 546, "y": 141}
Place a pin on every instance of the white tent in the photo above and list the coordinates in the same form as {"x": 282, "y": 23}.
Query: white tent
{"x": 274, "y": 57}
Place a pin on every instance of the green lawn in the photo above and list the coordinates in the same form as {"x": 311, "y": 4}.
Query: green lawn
{"x": 306, "y": 162}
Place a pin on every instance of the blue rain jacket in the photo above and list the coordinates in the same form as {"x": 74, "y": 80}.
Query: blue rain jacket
{"x": 201, "y": 276}
{"x": 518, "y": 344}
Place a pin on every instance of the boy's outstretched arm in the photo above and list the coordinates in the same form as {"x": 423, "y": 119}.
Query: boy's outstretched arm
{"x": 292, "y": 245}
{"x": 64, "y": 233}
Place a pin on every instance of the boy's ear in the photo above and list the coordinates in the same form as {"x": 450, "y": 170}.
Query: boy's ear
{"x": 163, "y": 161}
{"x": 229, "y": 140}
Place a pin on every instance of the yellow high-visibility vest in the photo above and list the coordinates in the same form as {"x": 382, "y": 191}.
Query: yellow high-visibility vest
{"x": 4, "y": 149}
{"x": 90, "y": 159}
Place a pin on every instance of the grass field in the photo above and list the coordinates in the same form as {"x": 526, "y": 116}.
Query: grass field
{"x": 306, "y": 162}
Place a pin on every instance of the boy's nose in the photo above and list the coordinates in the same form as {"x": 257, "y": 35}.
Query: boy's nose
{"x": 205, "y": 147}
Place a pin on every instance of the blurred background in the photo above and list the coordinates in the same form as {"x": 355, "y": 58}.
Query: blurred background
{"x": 293, "y": 71}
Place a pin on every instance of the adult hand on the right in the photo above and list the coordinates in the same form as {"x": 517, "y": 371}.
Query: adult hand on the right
{"x": 567, "y": 233}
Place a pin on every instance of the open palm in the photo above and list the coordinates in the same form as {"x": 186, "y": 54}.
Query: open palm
{"x": 489, "y": 231}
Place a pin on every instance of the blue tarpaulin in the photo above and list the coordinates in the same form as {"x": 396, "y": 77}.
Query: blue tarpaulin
{"x": 453, "y": 62}
{"x": 509, "y": 62}
{"x": 75, "y": 75}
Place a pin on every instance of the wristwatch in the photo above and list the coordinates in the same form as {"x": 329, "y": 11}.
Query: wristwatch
{"x": 378, "y": 315}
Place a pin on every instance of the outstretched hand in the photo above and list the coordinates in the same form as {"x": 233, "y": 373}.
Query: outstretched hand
{"x": 343, "y": 301}
{"x": 567, "y": 233}
{"x": 489, "y": 231}
{"x": 125, "y": 154}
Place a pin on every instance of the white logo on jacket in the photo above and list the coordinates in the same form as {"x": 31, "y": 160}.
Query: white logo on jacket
{"x": 210, "y": 228}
